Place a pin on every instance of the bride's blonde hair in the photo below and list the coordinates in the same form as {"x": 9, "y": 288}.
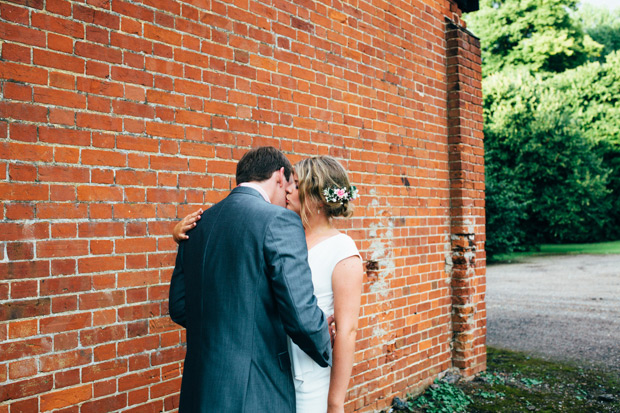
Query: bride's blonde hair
{"x": 315, "y": 175}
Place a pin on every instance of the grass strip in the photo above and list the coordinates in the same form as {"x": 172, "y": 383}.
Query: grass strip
{"x": 598, "y": 248}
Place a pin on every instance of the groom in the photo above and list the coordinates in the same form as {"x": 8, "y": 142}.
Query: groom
{"x": 241, "y": 284}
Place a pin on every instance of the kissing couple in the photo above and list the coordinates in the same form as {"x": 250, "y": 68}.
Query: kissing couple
{"x": 255, "y": 279}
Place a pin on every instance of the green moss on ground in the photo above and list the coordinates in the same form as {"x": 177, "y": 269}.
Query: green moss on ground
{"x": 515, "y": 382}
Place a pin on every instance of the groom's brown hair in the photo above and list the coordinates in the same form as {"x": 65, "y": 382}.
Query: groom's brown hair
{"x": 260, "y": 163}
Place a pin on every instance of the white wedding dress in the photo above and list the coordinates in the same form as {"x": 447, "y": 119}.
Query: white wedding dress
{"x": 312, "y": 380}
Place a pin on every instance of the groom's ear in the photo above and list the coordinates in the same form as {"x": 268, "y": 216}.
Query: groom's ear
{"x": 281, "y": 178}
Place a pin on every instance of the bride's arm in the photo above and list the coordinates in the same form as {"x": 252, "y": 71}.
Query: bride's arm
{"x": 347, "y": 285}
{"x": 179, "y": 232}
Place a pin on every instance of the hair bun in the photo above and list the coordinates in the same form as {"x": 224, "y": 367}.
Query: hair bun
{"x": 324, "y": 181}
{"x": 340, "y": 209}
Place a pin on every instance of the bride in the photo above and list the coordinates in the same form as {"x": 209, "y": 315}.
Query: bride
{"x": 322, "y": 192}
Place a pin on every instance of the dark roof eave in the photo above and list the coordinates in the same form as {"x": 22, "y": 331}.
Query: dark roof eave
{"x": 467, "y": 6}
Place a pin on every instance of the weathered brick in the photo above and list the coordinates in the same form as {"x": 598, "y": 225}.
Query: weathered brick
{"x": 14, "y": 310}
{"x": 23, "y": 73}
{"x": 21, "y": 329}
{"x": 66, "y": 397}
{"x": 60, "y": 43}
{"x": 24, "y": 192}
{"x": 25, "y": 348}
{"x": 107, "y": 404}
{"x": 104, "y": 370}
{"x": 16, "y": 53}
{"x": 22, "y": 368}
{"x": 64, "y": 229}
{"x": 140, "y": 379}
{"x": 58, "y": 61}
{"x": 25, "y": 406}
{"x": 25, "y": 388}
{"x": 64, "y": 285}
{"x": 65, "y": 323}
{"x": 63, "y": 304}
{"x": 61, "y": 210}
{"x": 104, "y": 388}
{"x": 64, "y": 136}
{"x": 15, "y": 91}
{"x": 101, "y": 300}
{"x": 63, "y": 174}
{"x": 24, "y": 289}
{"x": 61, "y": 361}
{"x": 59, "y": 98}
{"x": 63, "y": 267}
{"x": 17, "y": 251}
{"x": 50, "y": 249}
{"x": 67, "y": 378}
{"x": 101, "y": 335}
{"x": 99, "y": 122}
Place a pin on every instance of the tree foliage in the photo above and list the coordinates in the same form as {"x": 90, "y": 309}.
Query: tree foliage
{"x": 552, "y": 120}
{"x": 545, "y": 180}
{"x": 602, "y": 25}
{"x": 540, "y": 35}
{"x": 592, "y": 94}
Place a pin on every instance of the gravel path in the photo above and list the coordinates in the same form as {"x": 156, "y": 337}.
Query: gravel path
{"x": 557, "y": 307}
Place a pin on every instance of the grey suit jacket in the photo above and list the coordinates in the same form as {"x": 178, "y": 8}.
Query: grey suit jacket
{"x": 241, "y": 284}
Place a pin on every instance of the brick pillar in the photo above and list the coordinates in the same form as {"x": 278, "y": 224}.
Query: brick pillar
{"x": 466, "y": 264}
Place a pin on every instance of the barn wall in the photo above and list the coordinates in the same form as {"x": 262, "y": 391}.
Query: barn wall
{"x": 119, "y": 117}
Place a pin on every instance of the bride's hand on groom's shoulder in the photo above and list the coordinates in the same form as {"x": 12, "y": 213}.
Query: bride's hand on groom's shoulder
{"x": 179, "y": 232}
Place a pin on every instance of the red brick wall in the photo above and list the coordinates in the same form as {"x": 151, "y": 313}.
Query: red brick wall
{"x": 118, "y": 117}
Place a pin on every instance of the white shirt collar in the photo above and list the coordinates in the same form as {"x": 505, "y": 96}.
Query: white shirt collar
{"x": 258, "y": 188}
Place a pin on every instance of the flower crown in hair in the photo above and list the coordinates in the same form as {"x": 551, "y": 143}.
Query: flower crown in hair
{"x": 336, "y": 194}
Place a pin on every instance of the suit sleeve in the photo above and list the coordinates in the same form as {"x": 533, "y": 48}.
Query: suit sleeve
{"x": 176, "y": 295}
{"x": 286, "y": 255}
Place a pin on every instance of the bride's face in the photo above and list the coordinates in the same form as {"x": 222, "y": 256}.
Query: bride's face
{"x": 292, "y": 199}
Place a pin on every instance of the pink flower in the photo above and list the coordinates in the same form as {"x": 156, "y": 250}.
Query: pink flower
{"x": 341, "y": 193}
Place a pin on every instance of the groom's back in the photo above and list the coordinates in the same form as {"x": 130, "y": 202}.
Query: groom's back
{"x": 234, "y": 332}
